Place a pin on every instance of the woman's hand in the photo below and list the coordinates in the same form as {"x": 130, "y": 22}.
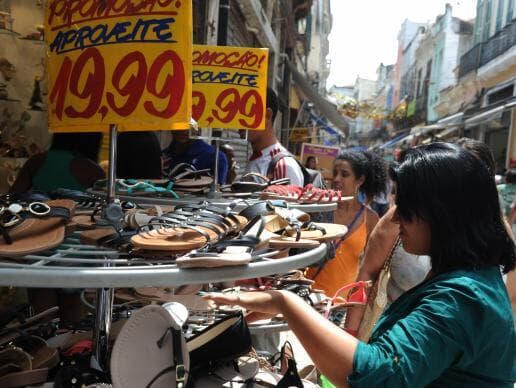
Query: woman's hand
{"x": 266, "y": 302}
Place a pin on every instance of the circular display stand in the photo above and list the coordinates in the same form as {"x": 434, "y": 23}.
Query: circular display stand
{"x": 73, "y": 265}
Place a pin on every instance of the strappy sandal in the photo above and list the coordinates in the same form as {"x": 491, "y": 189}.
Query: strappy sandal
{"x": 289, "y": 193}
{"x": 187, "y": 178}
{"x": 253, "y": 182}
{"x": 311, "y": 194}
{"x": 271, "y": 233}
{"x": 229, "y": 252}
{"x": 357, "y": 298}
{"x": 180, "y": 233}
{"x": 293, "y": 223}
{"x": 34, "y": 227}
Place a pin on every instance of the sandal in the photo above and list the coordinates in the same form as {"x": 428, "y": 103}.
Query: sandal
{"x": 253, "y": 182}
{"x": 229, "y": 252}
{"x": 186, "y": 177}
{"x": 16, "y": 369}
{"x": 311, "y": 194}
{"x": 357, "y": 298}
{"x": 34, "y": 227}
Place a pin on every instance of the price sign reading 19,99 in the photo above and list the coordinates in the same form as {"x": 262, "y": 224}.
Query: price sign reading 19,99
{"x": 119, "y": 62}
{"x": 229, "y": 87}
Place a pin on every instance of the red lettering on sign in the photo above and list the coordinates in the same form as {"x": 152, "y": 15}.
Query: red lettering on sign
{"x": 134, "y": 87}
{"x": 173, "y": 87}
{"x": 93, "y": 89}
{"x": 165, "y": 79}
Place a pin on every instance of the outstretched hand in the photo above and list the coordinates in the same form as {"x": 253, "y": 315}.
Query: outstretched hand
{"x": 266, "y": 302}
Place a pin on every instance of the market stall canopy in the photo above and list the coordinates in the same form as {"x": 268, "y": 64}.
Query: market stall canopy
{"x": 452, "y": 120}
{"x": 421, "y": 130}
{"x": 321, "y": 124}
{"x": 396, "y": 140}
{"x": 326, "y": 108}
{"x": 490, "y": 114}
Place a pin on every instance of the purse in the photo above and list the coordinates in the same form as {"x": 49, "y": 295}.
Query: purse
{"x": 224, "y": 340}
{"x": 377, "y": 298}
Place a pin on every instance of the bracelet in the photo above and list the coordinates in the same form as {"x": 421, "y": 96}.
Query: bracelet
{"x": 354, "y": 333}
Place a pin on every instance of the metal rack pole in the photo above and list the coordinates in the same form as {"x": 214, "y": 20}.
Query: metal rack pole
{"x": 104, "y": 302}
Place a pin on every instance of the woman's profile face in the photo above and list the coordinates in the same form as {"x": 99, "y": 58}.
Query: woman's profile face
{"x": 344, "y": 178}
{"x": 414, "y": 233}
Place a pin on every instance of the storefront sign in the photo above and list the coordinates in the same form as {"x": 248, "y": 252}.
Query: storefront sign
{"x": 324, "y": 156}
{"x": 299, "y": 135}
{"x": 119, "y": 62}
{"x": 229, "y": 87}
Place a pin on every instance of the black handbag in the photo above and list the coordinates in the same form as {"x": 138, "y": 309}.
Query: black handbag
{"x": 222, "y": 341}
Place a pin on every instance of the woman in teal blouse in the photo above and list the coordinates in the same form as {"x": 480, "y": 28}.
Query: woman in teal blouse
{"x": 453, "y": 330}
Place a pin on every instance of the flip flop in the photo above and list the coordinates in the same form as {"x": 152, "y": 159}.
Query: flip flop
{"x": 33, "y": 228}
{"x": 319, "y": 231}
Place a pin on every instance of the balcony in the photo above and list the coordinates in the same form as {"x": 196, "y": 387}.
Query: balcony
{"x": 470, "y": 61}
{"x": 499, "y": 43}
{"x": 485, "y": 52}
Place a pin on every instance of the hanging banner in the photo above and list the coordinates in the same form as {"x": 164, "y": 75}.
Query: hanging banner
{"x": 324, "y": 157}
{"x": 119, "y": 62}
{"x": 229, "y": 87}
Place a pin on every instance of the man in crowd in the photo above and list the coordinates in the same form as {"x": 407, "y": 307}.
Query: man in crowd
{"x": 196, "y": 152}
{"x": 265, "y": 145}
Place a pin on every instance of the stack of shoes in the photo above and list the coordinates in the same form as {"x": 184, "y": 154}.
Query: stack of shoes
{"x": 303, "y": 195}
{"x": 186, "y": 179}
{"x": 250, "y": 184}
{"x": 175, "y": 348}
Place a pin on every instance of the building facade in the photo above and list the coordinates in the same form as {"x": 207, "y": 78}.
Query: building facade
{"x": 451, "y": 39}
{"x": 490, "y": 67}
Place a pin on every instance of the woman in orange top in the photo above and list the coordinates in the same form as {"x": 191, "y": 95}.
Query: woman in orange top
{"x": 353, "y": 172}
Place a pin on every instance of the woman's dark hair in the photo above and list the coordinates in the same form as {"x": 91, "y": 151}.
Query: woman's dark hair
{"x": 85, "y": 144}
{"x": 372, "y": 167}
{"x": 452, "y": 190}
{"x": 138, "y": 155}
{"x": 480, "y": 150}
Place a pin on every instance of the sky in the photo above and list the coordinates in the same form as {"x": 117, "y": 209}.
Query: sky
{"x": 364, "y": 32}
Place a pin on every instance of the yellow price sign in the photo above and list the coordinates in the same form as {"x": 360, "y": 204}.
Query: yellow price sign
{"x": 229, "y": 86}
{"x": 119, "y": 62}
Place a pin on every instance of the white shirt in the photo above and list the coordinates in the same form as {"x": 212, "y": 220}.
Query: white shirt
{"x": 285, "y": 168}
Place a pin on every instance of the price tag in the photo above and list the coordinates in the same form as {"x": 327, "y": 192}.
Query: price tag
{"x": 229, "y": 86}
{"x": 119, "y": 62}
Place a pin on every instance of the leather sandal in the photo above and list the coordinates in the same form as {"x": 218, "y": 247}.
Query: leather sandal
{"x": 16, "y": 369}
{"x": 357, "y": 298}
{"x": 34, "y": 227}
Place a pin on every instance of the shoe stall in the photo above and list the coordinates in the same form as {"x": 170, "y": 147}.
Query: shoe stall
{"x": 143, "y": 253}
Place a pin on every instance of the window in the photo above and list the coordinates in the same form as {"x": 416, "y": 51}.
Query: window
{"x": 479, "y": 25}
{"x": 487, "y": 20}
{"x": 499, "y": 14}
{"x": 510, "y": 11}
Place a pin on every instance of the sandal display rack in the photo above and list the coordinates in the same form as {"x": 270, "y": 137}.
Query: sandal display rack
{"x": 75, "y": 265}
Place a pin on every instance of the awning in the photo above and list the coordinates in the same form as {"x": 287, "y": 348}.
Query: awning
{"x": 421, "y": 130}
{"x": 394, "y": 141}
{"x": 489, "y": 115}
{"x": 321, "y": 124}
{"x": 455, "y": 119}
{"x": 448, "y": 131}
{"x": 326, "y": 108}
